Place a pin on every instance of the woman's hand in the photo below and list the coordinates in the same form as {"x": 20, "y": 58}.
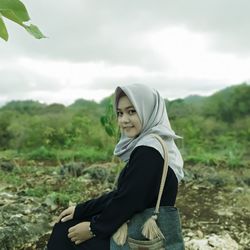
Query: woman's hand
{"x": 80, "y": 232}
{"x": 67, "y": 214}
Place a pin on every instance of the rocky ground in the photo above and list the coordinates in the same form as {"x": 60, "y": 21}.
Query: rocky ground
{"x": 215, "y": 208}
{"x": 214, "y": 204}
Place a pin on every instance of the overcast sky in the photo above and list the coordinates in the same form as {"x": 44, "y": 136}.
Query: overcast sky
{"x": 179, "y": 47}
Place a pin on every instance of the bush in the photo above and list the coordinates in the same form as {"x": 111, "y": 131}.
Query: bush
{"x": 42, "y": 153}
{"x": 86, "y": 154}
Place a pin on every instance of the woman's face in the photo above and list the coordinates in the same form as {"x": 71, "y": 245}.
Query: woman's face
{"x": 128, "y": 119}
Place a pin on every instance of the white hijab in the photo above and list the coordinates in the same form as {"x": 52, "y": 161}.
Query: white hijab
{"x": 151, "y": 109}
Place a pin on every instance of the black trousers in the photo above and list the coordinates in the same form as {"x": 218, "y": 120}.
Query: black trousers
{"x": 60, "y": 241}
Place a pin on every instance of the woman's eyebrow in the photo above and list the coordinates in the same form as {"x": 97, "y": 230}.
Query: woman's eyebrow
{"x": 129, "y": 107}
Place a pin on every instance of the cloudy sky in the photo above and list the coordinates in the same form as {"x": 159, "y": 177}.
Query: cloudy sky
{"x": 179, "y": 47}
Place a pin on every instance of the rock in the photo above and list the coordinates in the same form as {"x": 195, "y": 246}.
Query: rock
{"x": 197, "y": 244}
{"x": 74, "y": 169}
{"x": 5, "y": 195}
{"x": 200, "y": 234}
{"x": 225, "y": 242}
{"x": 22, "y": 220}
{"x": 224, "y": 212}
{"x": 51, "y": 201}
{"x": 96, "y": 173}
{"x": 212, "y": 242}
{"x": 6, "y": 166}
{"x": 238, "y": 190}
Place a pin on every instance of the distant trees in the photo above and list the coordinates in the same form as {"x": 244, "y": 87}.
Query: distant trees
{"x": 226, "y": 105}
{"x": 5, "y": 133}
{"x": 206, "y": 124}
{"x": 24, "y": 107}
{"x": 30, "y": 124}
{"x": 229, "y": 104}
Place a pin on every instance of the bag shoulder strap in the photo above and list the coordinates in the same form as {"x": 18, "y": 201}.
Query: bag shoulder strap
{"x": 164, "y": 172}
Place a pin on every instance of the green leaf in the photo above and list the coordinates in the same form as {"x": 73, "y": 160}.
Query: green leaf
{"x": 11, "y": 16}
{"x": 34, "y": 31}
{"x": 17, "y": 7}
{"x": 103, "y": 120}
{"x": 16, "y": 11}
{"x": 3, "y": 31}
{"x": 109, "y": 130}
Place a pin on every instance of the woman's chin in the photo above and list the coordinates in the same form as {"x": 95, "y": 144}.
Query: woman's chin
{"x": 131, "y": 135}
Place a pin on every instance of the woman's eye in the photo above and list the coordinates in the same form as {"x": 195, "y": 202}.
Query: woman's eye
{"x": 119, "y": 113}
{"x": 131, "y": 112}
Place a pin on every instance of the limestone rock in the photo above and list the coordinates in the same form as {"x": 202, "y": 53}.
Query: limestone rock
{"x": 212, "y": 242}
{"x": 22, "y": 220}
{"x": 6, "y": 166}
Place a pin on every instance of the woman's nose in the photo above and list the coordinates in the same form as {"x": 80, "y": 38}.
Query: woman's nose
{"x": 125, "y": 118}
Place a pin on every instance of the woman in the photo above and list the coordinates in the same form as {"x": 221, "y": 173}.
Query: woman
{"x": 141, "y": 112}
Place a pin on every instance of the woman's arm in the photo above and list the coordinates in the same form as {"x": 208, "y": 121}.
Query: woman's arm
{"x": 137, "y": 190}
{"x": 92, "y": 207}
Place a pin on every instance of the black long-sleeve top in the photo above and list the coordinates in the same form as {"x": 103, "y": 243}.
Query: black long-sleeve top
{"x": 137, "y": 189}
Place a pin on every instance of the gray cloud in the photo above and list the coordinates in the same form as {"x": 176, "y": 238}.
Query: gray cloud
{"x": 169, "y": 88}
{"x": 18, "y": 82}
{"x": 111, "y": 31}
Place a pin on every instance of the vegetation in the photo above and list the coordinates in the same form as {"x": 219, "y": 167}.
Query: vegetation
{"x": 56, "y": 156}
{"x": 215, "y": 129}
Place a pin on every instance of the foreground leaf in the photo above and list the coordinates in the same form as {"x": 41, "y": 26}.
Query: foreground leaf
{"x": 3, "y": 30}
{"x": 11, "y": 16}
{"x": 34, "y": 31}
{"x": 16, "y": 11}
{"x": 17, "y": 7}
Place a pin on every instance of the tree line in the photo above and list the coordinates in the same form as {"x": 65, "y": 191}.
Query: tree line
{"x": 214, "y": 128}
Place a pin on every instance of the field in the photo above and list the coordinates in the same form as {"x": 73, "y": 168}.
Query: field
{"x": 211, "y": 200}
{"x": 52, "y": 156}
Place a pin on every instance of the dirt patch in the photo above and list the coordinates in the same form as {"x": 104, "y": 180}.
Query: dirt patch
{"x": 207, "y": 208}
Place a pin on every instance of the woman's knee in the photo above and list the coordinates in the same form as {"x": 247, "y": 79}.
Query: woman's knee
{"x": 59, "y": 236}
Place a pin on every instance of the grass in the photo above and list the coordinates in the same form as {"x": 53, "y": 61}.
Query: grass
{"x": 243, "y": 200}
{"x": 231, "y": 157}
{"x": 41, "y": 181}
{"x": 88, "y": 154}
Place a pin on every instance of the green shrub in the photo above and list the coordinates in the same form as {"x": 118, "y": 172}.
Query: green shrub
{"x": 42, "y": 153}
{"x": 86, "y": 154}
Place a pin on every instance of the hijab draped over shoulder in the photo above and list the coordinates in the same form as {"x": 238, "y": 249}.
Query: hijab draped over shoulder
{"x": 151, "y": 109}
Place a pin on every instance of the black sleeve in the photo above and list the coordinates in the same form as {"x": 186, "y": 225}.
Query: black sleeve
{"x": 92, "y": 207}
{"x": 137, "y": 191}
